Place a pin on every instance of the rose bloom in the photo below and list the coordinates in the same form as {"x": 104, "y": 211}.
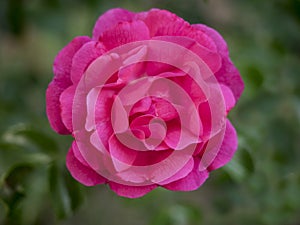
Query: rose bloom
{"x": 146, "y": 100}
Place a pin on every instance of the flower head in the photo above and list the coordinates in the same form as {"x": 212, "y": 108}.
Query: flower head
{"x": 146, "y": 100}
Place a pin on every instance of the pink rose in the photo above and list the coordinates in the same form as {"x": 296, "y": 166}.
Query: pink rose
{"x": 146, "y": 100}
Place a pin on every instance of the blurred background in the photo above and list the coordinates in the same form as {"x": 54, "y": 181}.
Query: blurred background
{"x": 260, "y": 186}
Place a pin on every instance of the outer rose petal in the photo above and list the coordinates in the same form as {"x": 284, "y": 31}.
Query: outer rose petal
{"x": 189, "y": 183}
{"x": 62, "y": 68}
{"x": 53, "y": 107}
{"x": 66, "y": 103}
{"x": 63, "y": 61}
{"x": 165, "y": 23}
{"x": 228, "y": 74}
{"x": 228, "y": 148}
{"x": 228, "y": 97}
{"x": 131, "y": 191}
{"x": 215, "y": 36}
{"x": 211, "y": 58}
{"x": 162, "y": 22}
{"x": 84, "y": 57}
{"x": 123, "y": 33}
{"x": 80, "y": 172}
{"x": 110, "y": 19}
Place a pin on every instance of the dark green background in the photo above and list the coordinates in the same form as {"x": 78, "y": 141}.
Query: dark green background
{"x": 261, "y": 185}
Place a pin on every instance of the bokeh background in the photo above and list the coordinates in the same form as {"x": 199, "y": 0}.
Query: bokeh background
{"x": 260, "y": 186}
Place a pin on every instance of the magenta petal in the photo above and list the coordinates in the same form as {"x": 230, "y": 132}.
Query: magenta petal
{"x": 131, "y": 191}
{"x": 53, "y": 108}
{"x": 228, "y": 148}
{"x": 123, "y": 33}
{"x": 183, "y": 172}
{"x": 84, "y": 57}
{"x": 121, "y": 153}
{"x": 131, "y": 72}
{"x": 66, "y": 103}
{"x": 164, "y": 109}
{"x": 80, "y": 172}
{"x": 163, "y": 22}
{"x": 211, "y": 58}
{"x": 61, "y": 68}
{"x": 78, "y": 155}
{"x": 228, "y": 97}
{"x": 110, "y": 19}
{"x": 228, "y": 74}
{"x": 141, "y": 106}
{"x": 191, "y": 182}
{"x": 216, "y": 37}
{"x": 63, "y": 61}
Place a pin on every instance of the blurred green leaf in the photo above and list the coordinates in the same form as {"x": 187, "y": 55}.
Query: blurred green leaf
{"x": 12, "y": 155}
{"x": 65, "y": 192}
{"x": 59, "y": 193}
{"x": 74, "y": 190}
{"x": 25, "y": 135}
{"x": 3, "y": 211}
{"x": 241, "y": 165}
{"x": 16, "y": 16}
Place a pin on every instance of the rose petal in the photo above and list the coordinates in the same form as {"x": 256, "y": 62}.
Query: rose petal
{"x": 110, "y": 19}
{"x": 66, "y": 103}
{"x": 193, "y": 89}
{"x": 228, "y": 74}
{"x": 62, "y": 80}
{"x": 173, "y": 134}
{"x": 131, "y": 191}
{"x": 165, "y": 23}
{"x": 211, "y": 58}
{"x": 120, "y": 152}
{"x": 84, "y": 57}
{"x": 103, "y": 105}
{"x": 178, "y": 137}
{"x": 141, "y": 106}
{"x": 63, "y": 61}
{"x": 228, "y": 148}
{"x": 164, "y": 109}
{"x": 215, "y": 36}
{"x": 141, "y": 123}
{"x": 53, "y": 108}
{"x": 158, "y": 69}
{"x": 123, "y": 33}
{"x": 189, "y": 183}
{"x": 228, "y": 97}
{"x": 183, "y": 172}
{"x": 131, "y": 72}
{"x": 80, "y": 172}
{"x": 78, "y": 155}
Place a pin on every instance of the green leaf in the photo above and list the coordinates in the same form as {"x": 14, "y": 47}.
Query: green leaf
{"x": 12, "y": 156}
{"x": 65, "y": 192}
{"x": 25, "y": 135}
{"x": 241, "y": 165}
{"x": 74, "y": 190}
{"x": 59, "y": 193}
{"x": 3, "y": 211}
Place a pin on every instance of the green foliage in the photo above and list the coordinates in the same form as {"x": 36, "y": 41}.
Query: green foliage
{"x": 259, "y": 186}
{"x": 32, "y": 173}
